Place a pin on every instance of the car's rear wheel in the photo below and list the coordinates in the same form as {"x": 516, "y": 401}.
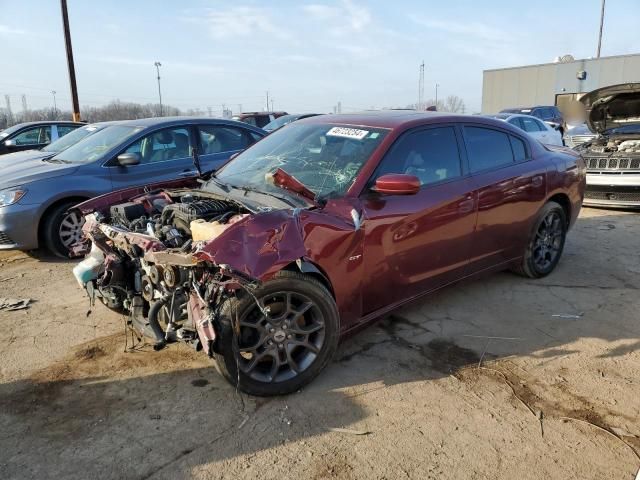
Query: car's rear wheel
{"x": 286, "y": 333}
{"x": 546, "y": 242}
{"x": 62, "y": 228}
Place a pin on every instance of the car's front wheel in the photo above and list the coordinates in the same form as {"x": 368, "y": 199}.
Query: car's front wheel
{"x": 546, "y": 242}
{"x": 61, "y": 228}
{"x": 285, "y": 333}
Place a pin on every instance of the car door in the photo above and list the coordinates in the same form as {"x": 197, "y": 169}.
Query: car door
{"x": 416, "y": 243}
{"x": 217, "y": 143}
{"x": 510, "y": 186}
{"x": 165, "y": 154}
{"x": 30, "y": 138}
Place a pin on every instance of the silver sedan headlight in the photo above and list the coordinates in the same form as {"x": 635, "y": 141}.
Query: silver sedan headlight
{"x": 11, "y": 196}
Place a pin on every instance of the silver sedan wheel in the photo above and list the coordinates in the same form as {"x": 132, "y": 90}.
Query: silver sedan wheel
{"x": 70, "y": 230}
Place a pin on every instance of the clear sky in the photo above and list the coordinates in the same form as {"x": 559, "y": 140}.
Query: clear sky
{"x": 308, "y": 55}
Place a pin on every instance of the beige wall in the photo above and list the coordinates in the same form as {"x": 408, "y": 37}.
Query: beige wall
{"x": 539, "y": 84}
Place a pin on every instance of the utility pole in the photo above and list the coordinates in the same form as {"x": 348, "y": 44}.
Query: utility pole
{"x": 158, "y": 65}
{"x": 437, "y": 85}
{"x": 267, "y": 100}
{"x": 601, "y": 25}
{"x": 239, "y": 108}
{"x": 419, "y": 106}
{"x": 24, "y": 103}
{"x": 7, "y": 100}
{"x": 72, "y": 70}
{"x": 272, "y": 105}
{"x": 55, "y": 106}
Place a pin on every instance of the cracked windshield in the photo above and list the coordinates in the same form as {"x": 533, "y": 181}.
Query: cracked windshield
{"x": 325, "y": 158}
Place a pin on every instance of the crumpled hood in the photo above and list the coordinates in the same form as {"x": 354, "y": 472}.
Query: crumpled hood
{"x": 613, "y": 106}
{"x": 27, "y": 171}
{"x": 259, "y": 244}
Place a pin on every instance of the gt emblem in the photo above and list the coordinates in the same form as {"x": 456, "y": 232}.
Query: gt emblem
{"x": 355, "y": 257}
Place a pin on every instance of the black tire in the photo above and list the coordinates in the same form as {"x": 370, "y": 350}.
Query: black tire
{"x": 545, "y": 244}
{"x": 288, "y": 288}
{"x": 54, "y": 240}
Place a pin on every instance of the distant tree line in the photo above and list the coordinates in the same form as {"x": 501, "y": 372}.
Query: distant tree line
{"x": 115, "y": 110}
{"x": 452, "y": 104}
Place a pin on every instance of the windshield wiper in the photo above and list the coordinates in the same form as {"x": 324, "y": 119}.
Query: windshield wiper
{"x": 262, "y": 192}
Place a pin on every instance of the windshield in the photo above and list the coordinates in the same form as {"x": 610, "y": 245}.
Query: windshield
{"x": 8, "y": 131}
{"x": 325, "y": 158}
{"x": 95, "y": 146}
{"x": 70, "y": 138}
{"x": 279, "y": 122}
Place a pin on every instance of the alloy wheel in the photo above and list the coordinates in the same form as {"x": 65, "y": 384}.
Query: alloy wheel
{"x": 548, "y": 241}
{"x": 70, "y": 229}
{"x": 280, "y": 339}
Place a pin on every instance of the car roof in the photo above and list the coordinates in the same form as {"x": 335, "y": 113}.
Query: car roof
{"x": 48, "y": 122}
{"x": 388, "y": 118}
{"x": 169, "y": 121}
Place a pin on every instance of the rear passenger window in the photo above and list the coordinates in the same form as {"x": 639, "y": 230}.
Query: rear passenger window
{"x": 431, "y": 155}
{"x": 487, "y": 148}
{"x": 530, "y": 124}
{"x": 219, "y": 139}
{"x": 519, "y": 149}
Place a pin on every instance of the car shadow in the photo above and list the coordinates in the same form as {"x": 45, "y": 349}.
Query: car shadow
{"x": 98, "y": 411}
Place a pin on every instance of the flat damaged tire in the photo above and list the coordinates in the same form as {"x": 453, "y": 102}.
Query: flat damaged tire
{"x": 288, "y": 332}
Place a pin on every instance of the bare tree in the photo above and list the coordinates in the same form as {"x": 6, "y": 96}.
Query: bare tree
{"x": 115, "y": 110}
{"x": 454, "y": 104}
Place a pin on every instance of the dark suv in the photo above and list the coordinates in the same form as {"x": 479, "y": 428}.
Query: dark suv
{"x": 34, "y": 135}
{"x": 258, "y": 119}
{"x": 550, "y": 114}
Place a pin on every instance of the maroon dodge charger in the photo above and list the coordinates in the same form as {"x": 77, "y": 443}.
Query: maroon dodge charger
{"x": 322, "y": 227}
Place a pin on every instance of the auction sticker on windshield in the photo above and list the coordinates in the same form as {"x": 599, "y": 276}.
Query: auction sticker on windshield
{"x": 354, "y": 133}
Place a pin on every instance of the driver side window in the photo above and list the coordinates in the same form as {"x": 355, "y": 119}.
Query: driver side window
{"x": 432, "y": 155}
{"x": 34, "y": 136}
{"x": 162, "y": 146}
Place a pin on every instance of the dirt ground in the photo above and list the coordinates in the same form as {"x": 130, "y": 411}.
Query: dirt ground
{"x": 501, "y": 378}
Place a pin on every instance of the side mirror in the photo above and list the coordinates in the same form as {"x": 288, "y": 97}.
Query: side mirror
{"x": 128, "y": 159}
{"x": 397, "y": 184}
{"x": 10, "y": 143}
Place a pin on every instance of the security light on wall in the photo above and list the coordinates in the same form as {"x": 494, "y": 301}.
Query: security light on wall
{"x": 581, "y": 75}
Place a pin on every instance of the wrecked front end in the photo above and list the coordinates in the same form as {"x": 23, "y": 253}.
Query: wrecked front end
{"x": 172, "y": 258}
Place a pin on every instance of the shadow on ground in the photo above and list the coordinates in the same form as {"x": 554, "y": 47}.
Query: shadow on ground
{"x": 95, "y": 414}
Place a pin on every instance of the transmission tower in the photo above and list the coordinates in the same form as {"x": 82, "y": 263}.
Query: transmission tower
{"x": 7, "y": 100}
{"x": 420, "y": 105}
{"x": 24, "y": 103}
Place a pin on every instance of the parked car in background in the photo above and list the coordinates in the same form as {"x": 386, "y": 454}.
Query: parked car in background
{"x": 322, "y": 227}
{"x": 534, "y": 127}
{"x": 35, "y": 195}
{"x": 30, "y": 135}
{"x": 54, "y": 147}
{"x": 613, "y": 156}
{"x": 285, "y": 120}
{"x": 547, "y": 113}
{"x": 577, "y": 135}
{"x": 258, "y": 119}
